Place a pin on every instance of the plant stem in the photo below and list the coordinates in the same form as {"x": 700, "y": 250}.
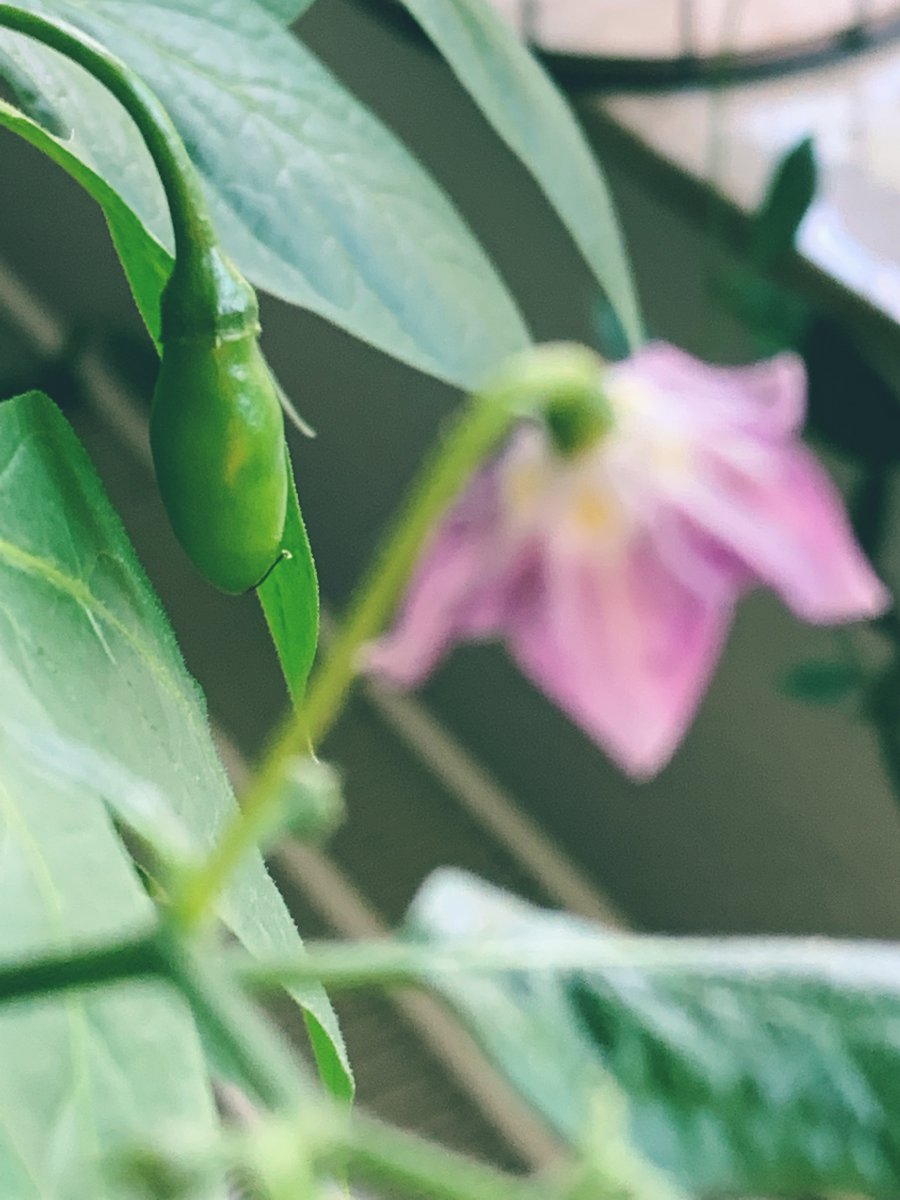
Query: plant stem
{"x": 192, "y": 227}
{"x": 465, "y": 445}
{"x": 468, "y": 441}
{"x": 529, "y": 383}
{"x": 238, "y": 1038}
{"x": 382, "y": 963}
{"x": 379, "y": 1154}
{"x": 92, "y": 967}
{"x": 393, "y": 963}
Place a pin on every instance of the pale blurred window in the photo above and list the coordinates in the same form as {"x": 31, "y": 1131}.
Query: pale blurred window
{"x": 667, "y": 29}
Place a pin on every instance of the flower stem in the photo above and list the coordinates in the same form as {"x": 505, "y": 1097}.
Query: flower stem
{"x": 472, "y": 436}
{"x": 190, "y": 220}
{"x": 528, "y": 384}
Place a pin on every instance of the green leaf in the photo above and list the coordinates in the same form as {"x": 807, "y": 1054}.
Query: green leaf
{"x": 146, "y": 262}
{"x": 82, "y": 628}
{"x": 286, "y": 11}
{"x": 315, "y": 200}
{"x": 777, "y": 317}
{"x": 791, "y": 191}
{"x": 529, "y": 114}
{"x": 752, "y": 1065}
{"x": 290, "y": 601}
{"x": 822, "y": 681}
{"x": 98, "y": 1070}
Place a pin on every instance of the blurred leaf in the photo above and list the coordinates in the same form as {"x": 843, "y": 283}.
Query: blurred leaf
{"x": 821, "y": 682}
{"x": 851, "y": 406}
{"x": 776, "y": 316}
{"x": 82, "y": 632}
{"x": 286, "y": 11}
{"x": 752, "y": 1065}
{"x": 95, "y": 1070}
{"x": 315, "y": 200}
{"x": 611, "y": 340}
{"x": 100, "y": 1069}
{"x": 519, "y": 100}
{"x": 790, "y": 193}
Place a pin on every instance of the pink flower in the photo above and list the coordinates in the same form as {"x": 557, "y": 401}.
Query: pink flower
{"x": 612, "y": 574}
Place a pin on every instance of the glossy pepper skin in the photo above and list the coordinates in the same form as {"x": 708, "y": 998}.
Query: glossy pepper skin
{"x": 217, "y": 435}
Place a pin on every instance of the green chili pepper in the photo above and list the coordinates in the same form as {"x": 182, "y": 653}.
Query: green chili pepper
{"x": 216, "y": 427}
{"x": 217, "y": 430}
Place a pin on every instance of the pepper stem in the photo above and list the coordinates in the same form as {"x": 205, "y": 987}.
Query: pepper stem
{"x": 211, "y": 295}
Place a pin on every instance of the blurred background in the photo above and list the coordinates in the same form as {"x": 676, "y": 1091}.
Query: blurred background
{"x": 776, "y": 815}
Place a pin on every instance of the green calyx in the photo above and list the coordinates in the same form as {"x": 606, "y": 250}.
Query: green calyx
{"x": 577, "y": 420}
{"x": 207, "y": 298}
{"x": 561, "y": 384}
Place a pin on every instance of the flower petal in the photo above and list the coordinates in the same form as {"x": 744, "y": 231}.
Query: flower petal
{"x": 785, "y": 520}
{"x": 459, "y": 588}
{"x": 624, "y": 647}
{"x": 767, "y": 398}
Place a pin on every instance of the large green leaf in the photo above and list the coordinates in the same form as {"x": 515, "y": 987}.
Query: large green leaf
{"x": 95, "y": 1072}
{"x": 286, "y": 11}
{"x": 530, "y": 115}
{"x": 316, "y": 201}
{"x": 98, "y": 1071}
{"x": 82, "y": 628}
{"x": 756, "y": 1066}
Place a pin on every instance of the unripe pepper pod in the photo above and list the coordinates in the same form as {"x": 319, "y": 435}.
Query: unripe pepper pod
{"x": 216, "y": 427}
{"x": 217, "y": 430}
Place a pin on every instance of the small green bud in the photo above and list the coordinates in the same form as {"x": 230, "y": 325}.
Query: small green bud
{"x": 576, "y": 420}
{"x": 286, "y": 1156}
{"x": 311, "y": 802}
